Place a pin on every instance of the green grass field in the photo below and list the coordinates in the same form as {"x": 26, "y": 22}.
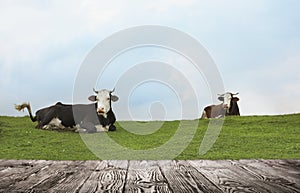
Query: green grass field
{"x": 266, "y": 137}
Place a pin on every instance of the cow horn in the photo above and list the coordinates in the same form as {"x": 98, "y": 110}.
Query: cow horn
{"x": 112, "y": 90}
{"x": 95, "y": 91}
{"x": 236, "y": 93}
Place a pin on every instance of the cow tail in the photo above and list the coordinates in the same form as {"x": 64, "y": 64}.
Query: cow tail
{"x": 22, "y": 107}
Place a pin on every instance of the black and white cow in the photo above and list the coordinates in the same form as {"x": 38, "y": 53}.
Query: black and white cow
{"x": 93, "y": 117}
{"x": 227, "y": 108}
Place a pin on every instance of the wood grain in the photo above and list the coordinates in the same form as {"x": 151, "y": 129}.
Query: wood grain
{"x": 145, "y": 176}
{"x": 150, "y": 176}
{"x": 108, "y": 176}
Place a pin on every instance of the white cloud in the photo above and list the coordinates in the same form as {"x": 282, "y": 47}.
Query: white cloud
{"x": 29, "y": 29}
{"x": 44, "y": 42}
{"x": 42, "y": 46}
{"x": 162, "y": 7}
{"x": 97, "y": 13}
{"x": 272, "y": 88}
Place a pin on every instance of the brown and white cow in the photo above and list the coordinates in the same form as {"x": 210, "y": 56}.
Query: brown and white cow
{"x": 228, "y": 107}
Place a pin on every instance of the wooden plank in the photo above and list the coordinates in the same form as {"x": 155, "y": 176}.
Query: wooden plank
{"x": 180, "y": 179}
{"x": 203, "y": 183}
{"x": 150, "y": 176}
{"x": 92, "y": 183}
{"x": 18, "y": 163}
{"x": 285, "y": 174}
{"x": 75, "y": 176}
{"x": 289, "y": 169}
{"x": 271, "y": 182}
{"x": 232, "y": 176}
{"x": 145, "y": 176}
{"x": 44, "y": 178}
{"x": 108, "y": 176}
{"x": 19, "y": 171}
{"x": 224, "y": 176}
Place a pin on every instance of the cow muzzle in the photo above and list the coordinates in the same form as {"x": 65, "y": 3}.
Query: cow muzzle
{"x": 100, "y": 111}
{"x": 226, "y": 107}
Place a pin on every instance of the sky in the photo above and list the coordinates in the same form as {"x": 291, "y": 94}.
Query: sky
{"x": 255, "y": 45}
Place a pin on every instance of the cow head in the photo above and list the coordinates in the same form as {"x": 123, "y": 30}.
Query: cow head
{"x": 103, "y": 99}
{"x": 226, "y": 99}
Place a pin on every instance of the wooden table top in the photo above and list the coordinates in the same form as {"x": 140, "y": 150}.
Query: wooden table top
{"x": 150, "y": 176}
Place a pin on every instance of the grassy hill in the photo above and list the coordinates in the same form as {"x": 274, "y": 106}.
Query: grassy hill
{"x": 266, "y": 137}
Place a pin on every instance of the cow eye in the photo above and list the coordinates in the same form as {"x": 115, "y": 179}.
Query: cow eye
{"x": 108, "y": 98}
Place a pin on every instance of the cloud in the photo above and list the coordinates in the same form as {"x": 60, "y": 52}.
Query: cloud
{"x": 272, "y": 88}
{"x": 31, "y": 28}
{"x": 254, "y": 43}
{"x": 42, "y": 47}
{"x": 164, "y": 6}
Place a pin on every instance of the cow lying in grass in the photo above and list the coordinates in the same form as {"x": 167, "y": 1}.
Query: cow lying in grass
{"x": 227, "y": 108}
{"x": 93, "y": 117}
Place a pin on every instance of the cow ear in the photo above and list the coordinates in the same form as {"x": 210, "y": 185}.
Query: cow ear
{"x": 92, "y": 98}
{"x": 114, "y": 98}
{"x": 221, "y": 98}
{"x": 236, "y": 99}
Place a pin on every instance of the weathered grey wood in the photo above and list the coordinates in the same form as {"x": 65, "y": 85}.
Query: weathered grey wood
{"x": 282, "y": 167}
{"x": 203, "y": 183}
{"x": 77, "y": 175}
{"x": 41, "y": 176}
{"x": 109, "y": 176}
{"x": 282, "y": 175}
{"x": 232, "y": 176}
{"x": 150, "y": 176}
{"x": 145, "y": 176}
{"x": 17, "y": 173}
{"x": 178, "y": 177}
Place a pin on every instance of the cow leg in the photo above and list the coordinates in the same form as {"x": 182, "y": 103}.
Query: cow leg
{"x": 42, "y": 123}
{"x": 204, "y": 115}
{"x": 39, "y": 125}
{"x": 90, "y": 127}
{"x": 112, "y": 128}
{"x": 45, "y": 119}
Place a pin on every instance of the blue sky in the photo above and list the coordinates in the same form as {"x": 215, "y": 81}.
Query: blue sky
{"x": 254, "y": 43}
